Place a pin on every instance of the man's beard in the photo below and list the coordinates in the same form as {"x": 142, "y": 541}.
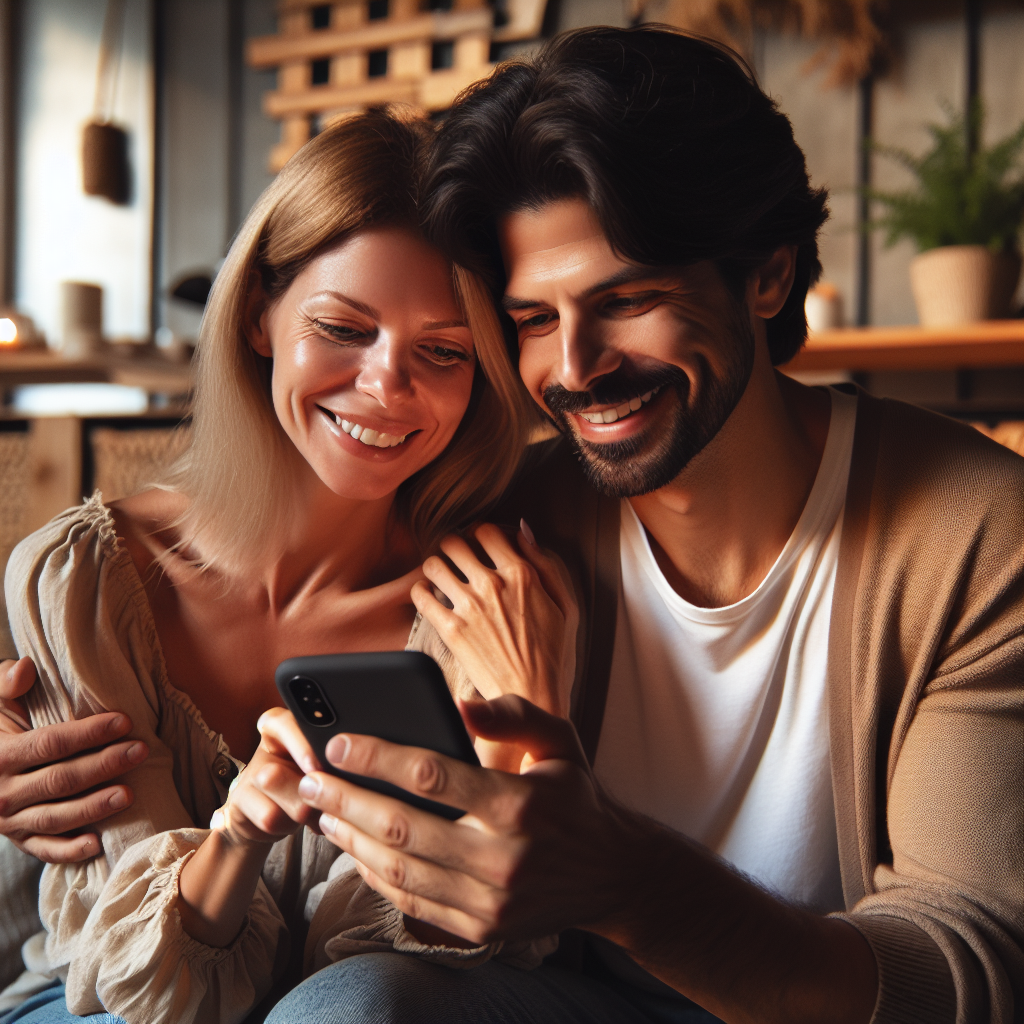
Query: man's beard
{"x": 645, "y": 462}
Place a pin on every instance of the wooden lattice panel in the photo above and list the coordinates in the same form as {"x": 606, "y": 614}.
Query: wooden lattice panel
{"x": 339, "y": 58}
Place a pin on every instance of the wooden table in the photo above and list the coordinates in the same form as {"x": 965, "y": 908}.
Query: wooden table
{"x": 989, "y": 343}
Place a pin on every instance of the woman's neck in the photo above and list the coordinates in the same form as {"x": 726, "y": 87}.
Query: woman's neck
{"x": 347, "y": 544}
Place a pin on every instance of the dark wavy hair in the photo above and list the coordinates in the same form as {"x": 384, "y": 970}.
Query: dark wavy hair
{"x": 666, "y": 136}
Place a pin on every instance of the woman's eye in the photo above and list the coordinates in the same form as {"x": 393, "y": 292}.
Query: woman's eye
{"x": 443, "y": 354}
{"x": 339, "y": 331}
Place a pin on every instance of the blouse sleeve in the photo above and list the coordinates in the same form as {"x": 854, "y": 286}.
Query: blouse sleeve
{"x": 349, "y": 918}
{"x": 78, "y": 609}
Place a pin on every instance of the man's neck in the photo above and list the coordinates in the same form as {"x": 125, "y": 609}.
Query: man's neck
{"x": 718, "y": 528}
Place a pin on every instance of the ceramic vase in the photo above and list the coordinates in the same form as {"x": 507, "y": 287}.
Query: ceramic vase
{"x": 961, "y": 284}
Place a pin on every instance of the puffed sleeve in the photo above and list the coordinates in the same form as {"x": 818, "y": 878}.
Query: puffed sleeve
{"x": 136, "y": 960}
{"x": 79, "y": 610}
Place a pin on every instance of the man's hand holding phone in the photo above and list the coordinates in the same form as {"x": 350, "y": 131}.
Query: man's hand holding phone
{"x": 535, "y": 853}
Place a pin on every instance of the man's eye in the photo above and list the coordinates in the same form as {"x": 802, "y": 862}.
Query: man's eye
{"x": 538, "y": 320}
{"x": 626, "y": 302}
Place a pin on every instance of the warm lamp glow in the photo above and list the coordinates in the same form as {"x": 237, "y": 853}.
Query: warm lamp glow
{"x": 8, "y": 331}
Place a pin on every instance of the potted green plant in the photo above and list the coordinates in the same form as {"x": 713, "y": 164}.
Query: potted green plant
{"x": 965, "y": 218}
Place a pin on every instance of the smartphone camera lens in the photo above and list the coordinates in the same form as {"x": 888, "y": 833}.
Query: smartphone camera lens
{"x": 311, "y": 701}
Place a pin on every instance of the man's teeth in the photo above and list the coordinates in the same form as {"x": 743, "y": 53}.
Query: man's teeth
{"x": 373, "y": 438}
{"x": 620, "y": 411}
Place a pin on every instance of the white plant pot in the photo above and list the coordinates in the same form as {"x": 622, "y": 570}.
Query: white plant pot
{"x": 961, "y": 284}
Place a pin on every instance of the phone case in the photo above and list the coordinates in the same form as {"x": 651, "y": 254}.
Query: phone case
{"x": 399, "y": 696}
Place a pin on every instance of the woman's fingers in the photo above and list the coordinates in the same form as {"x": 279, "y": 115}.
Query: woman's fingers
{"x": 281, "y": 735}
{"x": 440, "y": 574}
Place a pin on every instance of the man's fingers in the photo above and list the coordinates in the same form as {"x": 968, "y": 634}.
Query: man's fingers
{"x": 282, "y": 736}
{"x": 426, "y": 773}
{"x": 66, "y": 779}
{"x": 461, "y": 846}
{"x": 61, "y": 850}
{"x": 16, "y": 678}
{"x": 414, "y": 875}
{"x": 419, "y": 907}
{"x": 510, "y": 719}
{"x": 53, "y": 819}
{"x": 51, "y": 743}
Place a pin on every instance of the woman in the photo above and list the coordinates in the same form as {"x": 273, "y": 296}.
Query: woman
{"x": 354, "y": 402}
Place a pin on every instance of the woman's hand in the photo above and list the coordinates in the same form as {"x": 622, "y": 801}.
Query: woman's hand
{"x": 513, "y": 627}
{"x": 264, "y": 803}
{"x": 216, "y": 886}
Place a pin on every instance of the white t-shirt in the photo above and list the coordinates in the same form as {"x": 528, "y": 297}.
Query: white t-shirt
{"x": 717, "y": 718}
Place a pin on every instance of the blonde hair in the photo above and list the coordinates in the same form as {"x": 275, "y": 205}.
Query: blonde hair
{"x": 240, "y": 464}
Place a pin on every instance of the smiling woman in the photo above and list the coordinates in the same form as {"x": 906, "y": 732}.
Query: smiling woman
{"x": 312, "y": 223}
{"x": 355, "y": 401}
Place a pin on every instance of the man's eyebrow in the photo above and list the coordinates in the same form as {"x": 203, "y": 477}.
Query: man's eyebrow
{"x": 443, "y": 325}
{"x": 509, "y": 302}
{"x": 624, "y": 276}
{"x": 627, "y": 275}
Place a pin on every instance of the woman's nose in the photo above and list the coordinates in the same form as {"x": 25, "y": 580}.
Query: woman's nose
{"x": 385, "y": 373}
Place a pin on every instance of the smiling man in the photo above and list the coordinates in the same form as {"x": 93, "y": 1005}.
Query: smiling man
{"x": 799, "y": 692}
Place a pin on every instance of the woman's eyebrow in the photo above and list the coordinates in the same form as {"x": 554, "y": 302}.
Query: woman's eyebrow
{"x": 370, "y": 311}
{"x": 442, "y": 325}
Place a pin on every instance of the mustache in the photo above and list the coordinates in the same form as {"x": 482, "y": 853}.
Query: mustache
{"x": 612, "y": 389}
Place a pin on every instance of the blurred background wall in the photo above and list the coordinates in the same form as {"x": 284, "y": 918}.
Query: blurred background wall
{"x": 200, "y": 141}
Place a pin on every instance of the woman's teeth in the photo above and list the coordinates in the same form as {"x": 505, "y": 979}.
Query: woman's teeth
{"x": 373, "y": 438}
{"x": 620, "y": 411}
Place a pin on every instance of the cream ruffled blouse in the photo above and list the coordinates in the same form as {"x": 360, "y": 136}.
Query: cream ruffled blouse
{"x": 79, "y": 609}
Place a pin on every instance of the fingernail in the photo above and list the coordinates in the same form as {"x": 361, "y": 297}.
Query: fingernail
{"x": 136, "y": 753}
{"x": 217, "y": 819}
{"x": 89, "y": 848}
{"x": 118, "y": 800}
{"x": 337, "y": 749}
{"x": 527, "y": 532}
{"x": 309, "y": 787}
{"x": 328, "y": 823}
{"x": 117, "y": 724}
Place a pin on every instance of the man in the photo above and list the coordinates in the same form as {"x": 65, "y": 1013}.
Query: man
{"x": 799, "y": 695}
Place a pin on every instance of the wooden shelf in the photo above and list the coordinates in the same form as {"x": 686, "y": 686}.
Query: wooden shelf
{"x": 41, "y": 366}
{"x": 989, "y": 343}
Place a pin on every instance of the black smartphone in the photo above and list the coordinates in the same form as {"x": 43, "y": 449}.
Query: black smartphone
{"x": 399, "y": 696}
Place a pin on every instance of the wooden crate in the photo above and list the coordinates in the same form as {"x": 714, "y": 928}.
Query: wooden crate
{"x": 337, "y": 59}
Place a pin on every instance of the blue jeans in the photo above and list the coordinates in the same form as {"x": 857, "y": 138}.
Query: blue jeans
{"x": 389, "y": 988}
{"x": 50, "y": 1007}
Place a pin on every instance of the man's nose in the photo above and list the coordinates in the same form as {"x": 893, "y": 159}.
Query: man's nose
{"x": 584, "y": 353}
{"x": 385, "y": 374}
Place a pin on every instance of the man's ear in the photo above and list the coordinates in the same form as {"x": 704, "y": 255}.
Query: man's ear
{"x": 770, "y": 284}
{"x": 256, "y": 314}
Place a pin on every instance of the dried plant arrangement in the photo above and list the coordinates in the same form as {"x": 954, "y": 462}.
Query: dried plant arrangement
{"x": 848, "y": 30}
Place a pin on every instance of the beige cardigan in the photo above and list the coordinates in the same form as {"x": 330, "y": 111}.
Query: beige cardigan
{"x": 926, "y": 697}
{"x": 79, "y": 609}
